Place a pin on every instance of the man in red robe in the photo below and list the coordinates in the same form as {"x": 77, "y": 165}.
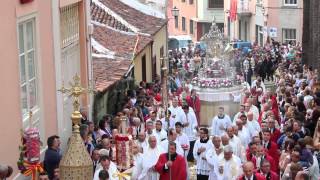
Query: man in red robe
{"x": 251, "y": 151}
{"x": 261, "y": 156}
{"x": 176, "y": 164}
{"x": 248, "y": 172}
{"x": 194, "y": 102}
{"x": 275, "y": 133}
{"x": 272, "y": 148}
{"x": 267, "y": 172}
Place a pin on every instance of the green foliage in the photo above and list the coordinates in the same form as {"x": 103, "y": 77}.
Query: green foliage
{"x": 115, "y": 98}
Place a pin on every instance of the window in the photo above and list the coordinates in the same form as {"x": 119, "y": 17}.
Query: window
{"x": 190, "y": 1}
{"x": 191, "y": 27}
{"x": 289, "y": 35}
{"x": 259, "y": 35}
{"x": 176, "y": 22}
{"x": 290, "y": 2}
{"x": 27, "y": 62}
{"x": 183, "y": 24}
{"x": 215, "y": 3}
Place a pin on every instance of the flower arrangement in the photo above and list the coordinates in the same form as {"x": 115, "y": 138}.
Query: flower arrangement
{"x": 29, "y": 159}
{"x": 215, "y": 83}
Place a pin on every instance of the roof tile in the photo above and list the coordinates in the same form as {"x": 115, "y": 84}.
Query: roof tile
{"x": 121, "y": 43}
{"x": 146, "y": 23}
{"x": 107, "y": 71}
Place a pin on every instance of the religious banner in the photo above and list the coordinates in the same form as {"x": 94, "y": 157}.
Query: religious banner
{"x": 233, "y": 10}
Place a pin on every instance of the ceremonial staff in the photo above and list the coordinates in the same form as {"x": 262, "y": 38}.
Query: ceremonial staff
{"x": 165, "y": 101}
{"x": 76, "y": 163}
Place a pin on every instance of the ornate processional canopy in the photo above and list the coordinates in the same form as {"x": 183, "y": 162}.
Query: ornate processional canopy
{"x": 214, "y": 40}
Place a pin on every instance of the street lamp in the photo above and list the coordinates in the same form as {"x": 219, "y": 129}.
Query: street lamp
{"x": 175, "y": 11}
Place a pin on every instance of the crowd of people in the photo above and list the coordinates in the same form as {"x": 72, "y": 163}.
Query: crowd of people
{"x": 274, "y": 135}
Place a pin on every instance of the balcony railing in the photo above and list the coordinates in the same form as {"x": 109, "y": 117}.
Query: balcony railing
{"x": 243, "y": 8}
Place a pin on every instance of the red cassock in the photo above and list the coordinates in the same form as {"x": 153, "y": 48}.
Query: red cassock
{"x": 272, "y": 150}
{"x": 274, "y": 108}
{"x": 275, "y": 135}
{"x": 273, "y": 166}
{"x": 249, "y": 155}
{"x": 195, "y": 104}
{"x": 178, "y": 168}
{"x": 271, "y": 175}
{"x": 256, "y": 176}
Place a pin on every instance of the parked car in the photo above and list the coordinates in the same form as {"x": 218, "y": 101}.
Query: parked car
{"x": 245, "y": 46}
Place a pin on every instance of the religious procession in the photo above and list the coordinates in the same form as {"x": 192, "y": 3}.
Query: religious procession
{"x": 218, "y": 108}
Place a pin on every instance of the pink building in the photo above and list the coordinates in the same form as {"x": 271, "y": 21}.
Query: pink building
{"x": 195, "y": 17}
{"x": 256, "y": 20}
{"x": 44, "y": 43}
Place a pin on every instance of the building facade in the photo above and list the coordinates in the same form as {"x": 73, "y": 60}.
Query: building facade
{"x": 195, "y": 17}
{"x": 36, "y": 56}
{"x": 127, "y": 34}
{"x": 258, "y": 19}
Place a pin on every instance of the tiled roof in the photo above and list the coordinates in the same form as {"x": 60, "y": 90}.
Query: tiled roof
{"x": 106, "y": 72}
{"x": 119, "y": 42}
{"x": 101, "y": 16}
{"x": 146, "y": 23}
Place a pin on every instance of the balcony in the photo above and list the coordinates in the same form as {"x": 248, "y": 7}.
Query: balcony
{"x": 243, "y": 9}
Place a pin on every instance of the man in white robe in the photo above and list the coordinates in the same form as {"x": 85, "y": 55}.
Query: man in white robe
{"x": 228, "y": 165}
{"x": 252, "y": 125}
{"x": 237, "y": 116}
{"x": 176, "y": 111}
{"x": 107, "y": 165}
{"x": 150, "y": 125}
{"x": 249, "y": 107}
{"x": 201, "y": 147}
{"x": 190, "y": 125}
{"x": 137, "y": 162}
{"x": 212, "y": 156}
{"x": 168, "y": 121}
{"x": 172, "y": 137}
{"x": 243, "y": 133}
{"x": 235, "y": 142}
{"x": 149, "y": 160}
{"x": 182, "y": 138}
{"x": 160, "y": 133}
{"x": 142, "y": 142}
{"x": 220, "y": 123}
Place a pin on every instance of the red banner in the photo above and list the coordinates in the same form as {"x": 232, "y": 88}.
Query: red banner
{"x": 233, "y": 10}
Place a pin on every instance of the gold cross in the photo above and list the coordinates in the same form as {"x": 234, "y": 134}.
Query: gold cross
{"x": 75, "y": 91}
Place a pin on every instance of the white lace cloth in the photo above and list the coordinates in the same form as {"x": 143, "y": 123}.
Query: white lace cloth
{"x": 218, "y": 95}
